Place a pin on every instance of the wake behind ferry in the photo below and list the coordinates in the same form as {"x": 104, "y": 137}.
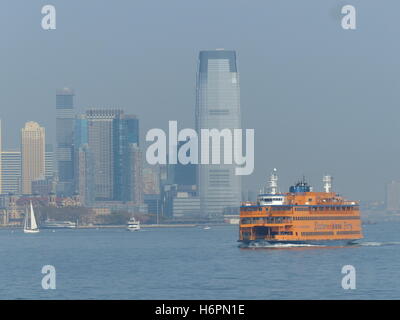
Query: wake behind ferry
{"x": 300, "y": 216}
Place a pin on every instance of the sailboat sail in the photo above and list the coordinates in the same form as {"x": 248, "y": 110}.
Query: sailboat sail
{"x": 30, "y": 226}
{"x": 33, "y": 220}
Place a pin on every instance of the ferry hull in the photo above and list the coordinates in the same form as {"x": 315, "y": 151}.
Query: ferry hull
{"x": 333, "y": 243}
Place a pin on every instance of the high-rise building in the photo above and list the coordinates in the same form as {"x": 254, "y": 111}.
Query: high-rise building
{"x": 100, "y": 141}
{"x": 11, "y": 171}
{"x": 111, "y": 134}
{"x": 84, "y": 180}
{"x": 64, "y": 140}
{"x": 49, "y": 161}
{"x": 218, "y": 107}
{"x": 134, "y": 174}
{"x": 32, "y": 155}
{"x": 126, "y": 155}
{"x": 393, "y": 196}
{"x": 80, "y": 136}
{"x": 81, "y": 158}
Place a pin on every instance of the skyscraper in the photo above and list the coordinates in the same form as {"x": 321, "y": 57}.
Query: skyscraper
{"x": 49, "y": 161}
{"x": 11, "y": 171}
{"x": 84, "y": 180}
{"x": 11, "y": 168}
{"x": 64, "y": 139}
{"x": 80, "y": 131}
{"x": 111, "y": 134}
{"x": 32, "y": 155}
{"x": 83, "y": 173}
{"x": 218, "y": 107}
{"x": 100, "y": 141}
{"x": 126, "y": 153}
{"x": 135, "y": 174}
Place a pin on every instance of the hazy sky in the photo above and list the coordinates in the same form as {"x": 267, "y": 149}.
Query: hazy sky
{"x": 321, "y": 99}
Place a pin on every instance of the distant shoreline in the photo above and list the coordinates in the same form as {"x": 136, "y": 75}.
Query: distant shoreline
{"x": 142, "y": 226}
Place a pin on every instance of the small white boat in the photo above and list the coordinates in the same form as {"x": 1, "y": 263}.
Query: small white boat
{"x": 30, "y": 225}
{"x": 133, "y": 225}
{"x": 206, "y": 228}
{"x": 53, "y": 224}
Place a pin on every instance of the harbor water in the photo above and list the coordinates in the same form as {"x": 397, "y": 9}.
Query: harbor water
{"x": 193, "y": 263}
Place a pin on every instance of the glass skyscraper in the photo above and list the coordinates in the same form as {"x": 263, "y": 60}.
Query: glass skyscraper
{"x": 64, "y": 140}
{"x": 112, "y": 141}
{"x": 218, "y": 107}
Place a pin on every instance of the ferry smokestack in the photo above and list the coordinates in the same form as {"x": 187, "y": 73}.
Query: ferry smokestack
{"x": 273, "y": 182}
{"x": 327, "y": 180}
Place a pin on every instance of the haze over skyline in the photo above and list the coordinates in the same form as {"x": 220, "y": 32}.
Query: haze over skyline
{"x": 321, "y": 99}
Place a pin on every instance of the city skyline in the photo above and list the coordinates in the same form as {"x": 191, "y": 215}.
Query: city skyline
{"x": 290, "y": 79}
{"x": 199, "y": 154}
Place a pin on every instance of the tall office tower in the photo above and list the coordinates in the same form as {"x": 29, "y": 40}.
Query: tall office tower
{"x": 218, "y": 107}
{"x": 11, "y": 171}
{"x": 32, "y": 155}
{"x": 80, "y": 136}
{"x": 64, "y": 139}
{"x": 100, "y": 140}
{"x": 110, "y": 133}
{"x": 135, "y": 174}
{"x": 125, "y": 133}
{"x": 393, "y": 196}
{"x": 49, "y": 161}
{"x": 84, "y": 175}
{"x": 81, "y": 155}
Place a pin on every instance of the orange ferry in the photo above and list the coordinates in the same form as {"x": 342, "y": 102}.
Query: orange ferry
{"x": 300, "y": 216}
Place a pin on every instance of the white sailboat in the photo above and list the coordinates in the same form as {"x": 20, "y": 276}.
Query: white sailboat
{"x": 30, "y": 225}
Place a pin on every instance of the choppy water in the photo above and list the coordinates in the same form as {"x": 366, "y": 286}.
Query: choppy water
{"x": 193, "y": 263}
